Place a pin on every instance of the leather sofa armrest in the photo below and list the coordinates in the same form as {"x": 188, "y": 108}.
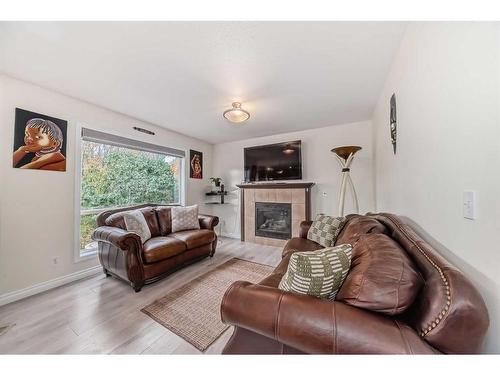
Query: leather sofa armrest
{"x": 304, "y": 228}
{"x": 117, "y": 237}
{"x": 208, "y": 221}
{"x": 316, "y": 326}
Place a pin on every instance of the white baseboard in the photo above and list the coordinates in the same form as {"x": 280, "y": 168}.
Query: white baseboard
{"x": 236, "y": 236}
{"x": 47, "y": 285}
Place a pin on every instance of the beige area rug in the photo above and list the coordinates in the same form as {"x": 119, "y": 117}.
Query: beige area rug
{"x": 193, "y": 310}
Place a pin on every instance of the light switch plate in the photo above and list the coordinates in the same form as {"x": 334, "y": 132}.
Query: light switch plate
{"x": 469, "y": 203}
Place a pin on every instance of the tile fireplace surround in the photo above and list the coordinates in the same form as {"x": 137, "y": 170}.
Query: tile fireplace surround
{"x": 298, "y": 195}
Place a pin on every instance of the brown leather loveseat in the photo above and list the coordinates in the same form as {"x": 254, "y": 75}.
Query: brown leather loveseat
{"x": 400, "y": 297}
{"x": 122, "y": 254}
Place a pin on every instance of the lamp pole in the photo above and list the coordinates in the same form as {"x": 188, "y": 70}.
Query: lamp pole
{"x": 345, "y": 155}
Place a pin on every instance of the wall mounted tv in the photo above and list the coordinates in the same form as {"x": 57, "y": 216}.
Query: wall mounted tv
{"x": 280, "y": 161}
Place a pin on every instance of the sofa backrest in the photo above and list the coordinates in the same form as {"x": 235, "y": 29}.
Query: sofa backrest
{"x": 357, "y": 226}
{"x": 382, "y": 278}
{"x": 449, "y": 313}
{"x": 164, "y": 214}
{"x": 114, "y": 218}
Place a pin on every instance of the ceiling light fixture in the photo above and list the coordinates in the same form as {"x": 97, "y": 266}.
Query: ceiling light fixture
{"x": 236, "y": 114}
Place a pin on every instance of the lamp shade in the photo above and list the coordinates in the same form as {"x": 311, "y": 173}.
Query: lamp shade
{"x": 236, "y": 114}
{"x": 345, "y": 151}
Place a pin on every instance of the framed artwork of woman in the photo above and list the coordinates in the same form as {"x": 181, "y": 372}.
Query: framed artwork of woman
{"x": 39, "y": 142}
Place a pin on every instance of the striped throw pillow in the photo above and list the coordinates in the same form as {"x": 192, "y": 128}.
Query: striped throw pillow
{"x": 318, "y": 273}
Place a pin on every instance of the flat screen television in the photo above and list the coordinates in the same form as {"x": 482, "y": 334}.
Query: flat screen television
{"x": 280, "y": 161}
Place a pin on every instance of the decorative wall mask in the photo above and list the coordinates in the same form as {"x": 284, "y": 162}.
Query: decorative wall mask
{"x": 393, "y": 121}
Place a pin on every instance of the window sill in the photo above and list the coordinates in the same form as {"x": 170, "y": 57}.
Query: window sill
{"x": 85, "y": 255}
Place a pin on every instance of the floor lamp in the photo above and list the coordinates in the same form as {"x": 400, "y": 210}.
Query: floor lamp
{"x": 344, "y": 155}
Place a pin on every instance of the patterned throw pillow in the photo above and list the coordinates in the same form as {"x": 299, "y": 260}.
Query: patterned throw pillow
{"x": 184, "y": 218}
{"x": 135, "y": 222}
{"x": 318, "y": 273}
{"x": 325, "y": 229}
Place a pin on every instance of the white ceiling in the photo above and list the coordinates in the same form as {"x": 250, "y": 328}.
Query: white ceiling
{"x": 183, "y": 75}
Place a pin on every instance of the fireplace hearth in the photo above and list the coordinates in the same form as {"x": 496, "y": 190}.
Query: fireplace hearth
{"x": 273, "y": 220}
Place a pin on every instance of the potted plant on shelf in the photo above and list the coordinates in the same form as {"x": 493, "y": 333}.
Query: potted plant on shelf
{"x": 216, "y": 181}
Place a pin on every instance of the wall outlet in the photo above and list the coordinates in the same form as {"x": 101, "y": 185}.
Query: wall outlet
{"x": 469, "y": 205}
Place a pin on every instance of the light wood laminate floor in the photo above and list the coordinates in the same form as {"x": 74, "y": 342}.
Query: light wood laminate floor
{"x": 101, "y": 315}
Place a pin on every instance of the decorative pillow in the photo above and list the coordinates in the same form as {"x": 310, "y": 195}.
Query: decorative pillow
{"x": 135, "y": 222}
{"x": 184, "y": 218}
{"x": 318, "y": 273}
{"x": 382, "y": 278}
{"x": 325, "y": 229}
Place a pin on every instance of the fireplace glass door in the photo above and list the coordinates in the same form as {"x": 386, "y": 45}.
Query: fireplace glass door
{"x": 273, "y": 220}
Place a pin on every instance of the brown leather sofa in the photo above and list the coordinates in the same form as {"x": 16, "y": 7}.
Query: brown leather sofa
{"x": 447, "y": 314}
{"x": 122, "y": 254}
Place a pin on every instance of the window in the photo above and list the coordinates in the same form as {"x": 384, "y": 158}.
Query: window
{"x": 118, "y": 172}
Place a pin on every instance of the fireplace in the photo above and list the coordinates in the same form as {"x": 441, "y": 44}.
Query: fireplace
{"x": 294, "y": 198}
{"x": 273, "y": 220}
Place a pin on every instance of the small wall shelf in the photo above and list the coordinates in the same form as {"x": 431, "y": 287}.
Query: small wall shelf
{"x": 222, "y": 193}
{"x": 216, "y": 193}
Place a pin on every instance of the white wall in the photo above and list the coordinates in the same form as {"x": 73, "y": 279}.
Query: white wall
{"x": 37, "y": 207}
{"x": 318, "y": 165}
{"x": 446, "y": 80}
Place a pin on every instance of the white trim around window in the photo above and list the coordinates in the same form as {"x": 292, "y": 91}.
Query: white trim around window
{"x": 78, "y": 257}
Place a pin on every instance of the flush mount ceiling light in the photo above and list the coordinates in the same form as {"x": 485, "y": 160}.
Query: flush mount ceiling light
{"x": 236, "y": 114}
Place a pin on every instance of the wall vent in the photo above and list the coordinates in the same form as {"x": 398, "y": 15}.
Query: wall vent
{"x": 144, "y": 130}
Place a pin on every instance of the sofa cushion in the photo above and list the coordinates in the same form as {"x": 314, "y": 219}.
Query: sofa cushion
{"x": 160, "y": 248}
{"x": 382, "y": 277}
{"x": 185, "y": 218}
{"x": 195, "y": 237}
{"x": 116, "y": 220}
{"x": 356, "y": 226}
{"x": 318, "y": 273}
{"x": 299, "y": 244}
{"x": 325, "y": 229}
{"x": 136, "y": 223}
{"x": 164, "y": 220}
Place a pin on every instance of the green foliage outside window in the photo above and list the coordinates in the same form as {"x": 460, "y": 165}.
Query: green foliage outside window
{"x": 116, "y": 177}
{"x": 87, "y": 226}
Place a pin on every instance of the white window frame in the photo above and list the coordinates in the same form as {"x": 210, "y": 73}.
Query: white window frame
{"x": 80, "y": 256}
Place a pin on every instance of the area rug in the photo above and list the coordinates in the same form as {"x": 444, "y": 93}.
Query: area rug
{"x": 193, "y": 310}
